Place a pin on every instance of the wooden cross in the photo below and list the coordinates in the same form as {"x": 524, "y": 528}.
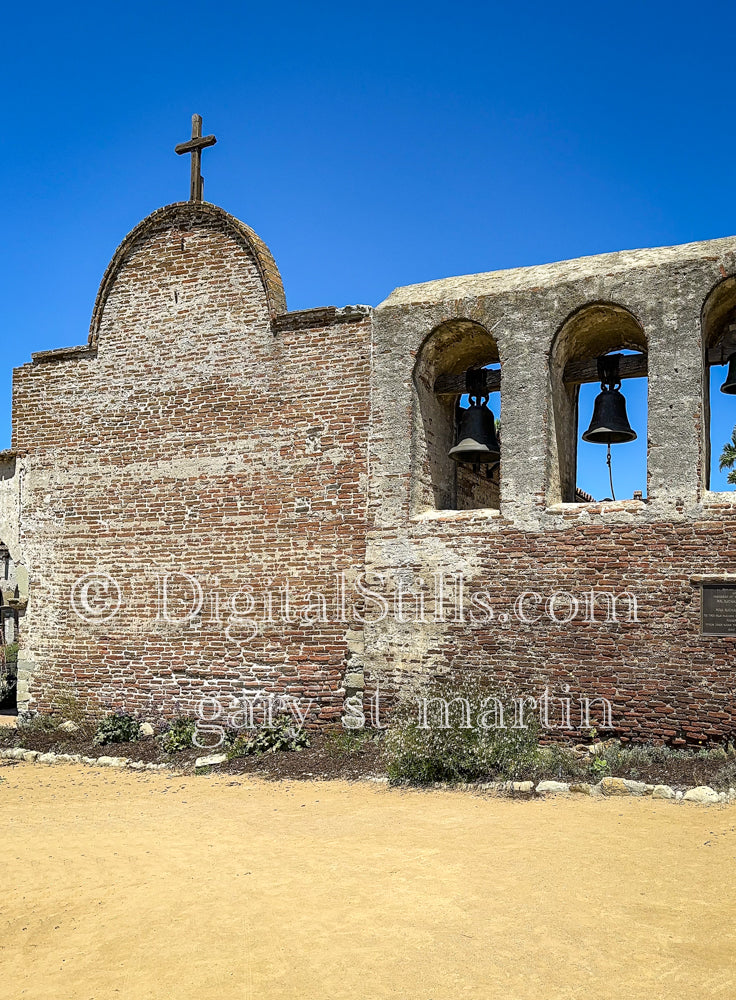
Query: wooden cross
{"x": 196, "y": 144}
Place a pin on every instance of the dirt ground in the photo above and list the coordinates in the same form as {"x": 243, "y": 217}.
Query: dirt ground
{"x": 116, "y": 884}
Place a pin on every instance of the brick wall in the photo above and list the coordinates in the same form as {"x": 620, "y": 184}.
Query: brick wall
{"x": 195, "y": 435}
{"x": 664, "y": 680}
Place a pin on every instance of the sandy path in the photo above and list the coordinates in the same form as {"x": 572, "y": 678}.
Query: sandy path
{"x": 137, "y": 886}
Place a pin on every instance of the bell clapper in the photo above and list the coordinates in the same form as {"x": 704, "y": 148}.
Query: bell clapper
{"x": 610, "y": 472}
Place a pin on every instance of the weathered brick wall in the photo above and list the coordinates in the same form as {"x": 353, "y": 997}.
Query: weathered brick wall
{"x": 663, "y": 678}
{"x": 194, "y": 434}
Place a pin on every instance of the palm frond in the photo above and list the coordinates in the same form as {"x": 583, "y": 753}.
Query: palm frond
{"x": 728, "y": 455}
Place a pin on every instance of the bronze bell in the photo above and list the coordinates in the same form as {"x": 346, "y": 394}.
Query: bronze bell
{"x": 609, "y": 423}
{"x": 476, "y": 436}
{"x": 729, "y": 386}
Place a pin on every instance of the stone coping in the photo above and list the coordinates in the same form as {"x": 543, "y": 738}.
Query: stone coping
{"x": 323, "y": 316}
{"x": 602, "y": 507}
{"x": 605, "y": 788}
{"x": 62, "y": 354}
{"x": 478, "y": 514}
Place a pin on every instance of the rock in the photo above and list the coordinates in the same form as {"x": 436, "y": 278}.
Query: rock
{"x": 663, "y": 792}
{"x": 31, "y": 755}
{"x": 552, "y": 788}
{"x": 623, "y": 786}
{"x": 678, "y": 796}
{"x": 637, "y": 787}
{"x": 501, "y": 787}
{"x": 112, "y": 761}
{"x": 581, "y": 788}
{"x": 137, "y": 765}
{"x": 522, "y": 787}
{"x": 492, "y": 786}
{"x": 211, "y": 761}
{"x": 69, "y": 727}
{"x": 613, "y": 786}
{"x": 702, "y": 794}
{"x": 146, "y": 731}
{"x": 354, "y": 681}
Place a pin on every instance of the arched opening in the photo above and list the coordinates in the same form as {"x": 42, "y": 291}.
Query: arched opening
{"x": 13, "y": 601}
{"x": 578, "y": 470}
{"x": 718, "y": 324}
{"x": 457, "y": 356}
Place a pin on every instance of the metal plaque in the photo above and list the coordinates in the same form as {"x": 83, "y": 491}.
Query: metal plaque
{"x": 718, "y": 609}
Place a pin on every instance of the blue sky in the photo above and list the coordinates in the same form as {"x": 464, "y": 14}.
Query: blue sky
{"x": 370, "y": 145}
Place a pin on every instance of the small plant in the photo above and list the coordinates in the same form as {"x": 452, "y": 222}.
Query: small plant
{"x": 179, "y": 735}
{"x": 117, "y": 728}
{"x": 560, "y": 762}
{"x": 38, "y": 723}
{"x": 11, "y": 652}
{"x": 282, "y": 735}
{"x": 68, "y": 707}
{"x": 348, "y": 742}
{"x": 725, "y": 777}
{"x": 598, "y": 767}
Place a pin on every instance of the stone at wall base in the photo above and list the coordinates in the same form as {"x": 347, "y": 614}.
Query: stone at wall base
{"x": 211, "y": 761}
{"x": 702, "y": 794}
{"x": 663, "y": 792}
{"x": 552, "y": 788}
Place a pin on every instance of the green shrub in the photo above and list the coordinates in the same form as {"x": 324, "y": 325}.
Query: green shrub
{"x": 38, "y": 723}
{"x": 11, "y": 652}
{"x": 559, "y": 762}
{"x": 282, "y": 735}
{"x": 443, "y": 747}
{"x": 179, "y": 735}
{"x": 725, "y": 777}
{"x": 348, "y": 742}
{"x": 67, "y": 706}
{"x": 117, "y": 728}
